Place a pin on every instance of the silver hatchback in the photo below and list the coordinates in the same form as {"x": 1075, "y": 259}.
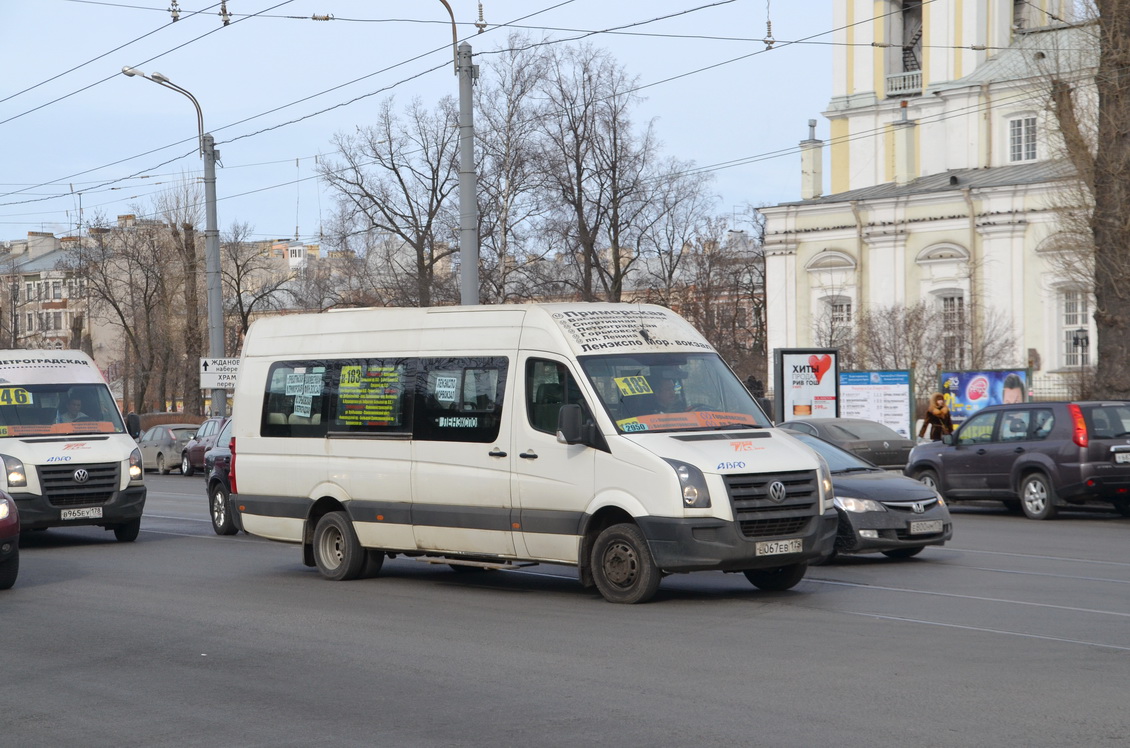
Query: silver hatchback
{"x": 161, "y": 445}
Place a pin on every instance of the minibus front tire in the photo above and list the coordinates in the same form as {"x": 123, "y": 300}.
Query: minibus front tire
{"x": 777, "y": 578}
{"x": 622, "y": 566}
{"x": 127, "y": 532}
{"x": 337, "y": 552}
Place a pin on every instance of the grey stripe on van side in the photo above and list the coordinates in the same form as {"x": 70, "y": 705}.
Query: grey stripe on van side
{"x": 273, "y": 506}
{"x": 433, "y": 515}
{"x": 550, "y": 522}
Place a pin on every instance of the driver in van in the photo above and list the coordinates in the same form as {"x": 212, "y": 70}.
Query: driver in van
{"x": 73, "y": 411}
{"x": 669, "y": 396}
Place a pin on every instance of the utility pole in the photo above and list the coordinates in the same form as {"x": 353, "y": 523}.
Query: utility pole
{"x": 468, "y": 206}
{"x": 212, "y": 270}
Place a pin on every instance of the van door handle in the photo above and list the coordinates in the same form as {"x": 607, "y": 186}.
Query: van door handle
{"x": 496, "y": 452}
{"x": 528, "y": 455}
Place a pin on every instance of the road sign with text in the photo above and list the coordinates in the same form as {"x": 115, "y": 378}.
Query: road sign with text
{"x": 218, "y": 373}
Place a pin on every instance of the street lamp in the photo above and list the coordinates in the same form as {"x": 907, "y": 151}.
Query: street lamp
{"x": 211, "y": 235}
{"x": 468, "y": 207}
{"x": 1082, "y": 340}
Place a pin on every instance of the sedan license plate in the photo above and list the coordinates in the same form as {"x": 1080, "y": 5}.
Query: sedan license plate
{"x": 925, "y": 528}
{"x": 777, "y": 547}
{"x": 87, "y": 512}
{"x": 1122, "y": 456}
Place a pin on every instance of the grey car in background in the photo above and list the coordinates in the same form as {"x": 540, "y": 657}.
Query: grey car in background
{"x": 870, "y": 440}
{"x": 161, "y": 445}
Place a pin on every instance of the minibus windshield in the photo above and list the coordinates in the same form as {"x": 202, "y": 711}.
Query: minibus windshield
{"x": 57, "y": 409}
{"x": 671, "y": 392}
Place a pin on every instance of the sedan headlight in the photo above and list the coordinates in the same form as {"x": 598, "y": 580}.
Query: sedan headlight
{"x": 14, "y": 472}
{"x": 135, "y": 465}
{"x": 692, "y": 484}
{"x": 849, "y": 504}
{"x": 825, "y": 477}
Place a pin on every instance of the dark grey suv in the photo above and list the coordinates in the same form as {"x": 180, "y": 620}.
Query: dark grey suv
{"x": 1038, "y": 457}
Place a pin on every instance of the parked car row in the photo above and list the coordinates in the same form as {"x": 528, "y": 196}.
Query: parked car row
{"x": 1036, "y": 457}
{"x": 166, "y": 446}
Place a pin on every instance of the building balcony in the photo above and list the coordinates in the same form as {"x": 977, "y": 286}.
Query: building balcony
{"x": 905, "y": 84}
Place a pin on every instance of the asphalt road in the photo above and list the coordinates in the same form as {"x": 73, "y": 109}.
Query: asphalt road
{"x": 1015, "y": 634}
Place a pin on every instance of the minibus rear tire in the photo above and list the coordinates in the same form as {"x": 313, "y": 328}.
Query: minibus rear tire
{"x": 337, "y": 552}
{"x": 622, "y": 566}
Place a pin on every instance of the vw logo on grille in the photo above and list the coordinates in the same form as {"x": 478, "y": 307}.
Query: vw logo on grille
{"x": 918, "y": 508}
{"x": 777, "y": 491}
{"x": 81, "y": 476}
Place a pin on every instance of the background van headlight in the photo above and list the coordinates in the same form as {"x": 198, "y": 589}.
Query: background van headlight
{"x": 14, "y": 471}
{"x": 135, "y": 465}
{"x": 692, "y": 485}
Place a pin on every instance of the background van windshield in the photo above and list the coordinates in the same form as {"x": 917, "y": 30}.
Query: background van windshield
{"x": 50, "y": 409}
{"x": 671, "y": 392}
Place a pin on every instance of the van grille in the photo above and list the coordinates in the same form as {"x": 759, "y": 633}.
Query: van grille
{"x": 61, "y": 489}
{"x": 758, "y": 516}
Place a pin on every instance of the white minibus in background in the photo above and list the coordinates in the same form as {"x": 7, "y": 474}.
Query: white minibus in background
{"x": 68, "y": 457}
{"x": 610, "y": 437}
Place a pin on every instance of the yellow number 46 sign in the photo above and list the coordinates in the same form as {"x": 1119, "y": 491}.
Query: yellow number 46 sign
{"x": 14, "y": 396}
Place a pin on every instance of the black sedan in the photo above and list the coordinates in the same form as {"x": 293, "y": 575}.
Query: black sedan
{"x": 870, "y": 440}
{"x": 880, "y": 511}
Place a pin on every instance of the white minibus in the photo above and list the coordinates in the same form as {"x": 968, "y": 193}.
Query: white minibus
{"x": 68, "y": 457}
{"x": 609, "y": 437}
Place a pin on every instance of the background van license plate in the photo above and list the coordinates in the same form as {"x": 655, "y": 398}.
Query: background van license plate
{"x": 86, "y": 512}
{"x": 775, "y": 547}
{"x": 1122, "y": 456}
{"x": 921, "y": 528}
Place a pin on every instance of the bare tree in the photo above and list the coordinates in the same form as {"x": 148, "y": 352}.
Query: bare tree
{"x": 125, "y": 269}
{"x": 396, "y": 177}
{"x": 511, "y": 195}
{"x": 181, "y": 207}
{"x": 1105, "y": 175}
{"x": 253, "y": 281}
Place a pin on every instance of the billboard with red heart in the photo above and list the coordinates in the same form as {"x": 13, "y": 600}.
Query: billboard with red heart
{"x": 806, "y": 383}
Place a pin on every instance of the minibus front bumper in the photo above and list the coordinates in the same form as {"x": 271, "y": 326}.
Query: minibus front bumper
{"x": 37, "y": 512}
{"x": 683, "y": 545}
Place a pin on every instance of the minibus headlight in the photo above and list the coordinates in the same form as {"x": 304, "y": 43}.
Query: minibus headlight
{"x": 135, "y": 465}
{"x": 14, "y": 471}
{"x": 692, "y": 485}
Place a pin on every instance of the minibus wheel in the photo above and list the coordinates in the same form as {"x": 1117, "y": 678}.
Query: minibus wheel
{"x": 127, "y": 531}
{"x": 337, "y": 553}
{"x": 776, "y": 578}
{"x": 622, "y": 566}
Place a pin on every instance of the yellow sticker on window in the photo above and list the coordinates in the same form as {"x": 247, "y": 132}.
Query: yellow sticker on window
{"x": 14, "y": 396}
{"x": 633, "y": 385}
{"x": 351, "y": 377}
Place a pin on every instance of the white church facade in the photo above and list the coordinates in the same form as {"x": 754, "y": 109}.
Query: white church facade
{"x": 947, "y": 188}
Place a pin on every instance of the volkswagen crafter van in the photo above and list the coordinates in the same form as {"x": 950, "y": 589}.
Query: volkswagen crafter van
{"x": 68, "y": 457}
{"x": 610, "y": 437}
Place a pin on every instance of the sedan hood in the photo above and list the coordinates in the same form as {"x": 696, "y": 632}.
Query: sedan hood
{"x": 880, "y": 486}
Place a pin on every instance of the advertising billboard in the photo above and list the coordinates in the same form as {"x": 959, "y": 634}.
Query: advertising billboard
{"x": 883, "y": 396}
{"x": 806, "y": 383}
{"x": 966, "y": 392}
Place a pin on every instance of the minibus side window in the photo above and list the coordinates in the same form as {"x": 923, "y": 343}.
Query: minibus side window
{"x": 372, "y": 396}
{"x": 549, "y": 385}
{"x": 294, "y": 399}
{"x": 459, "y": 399}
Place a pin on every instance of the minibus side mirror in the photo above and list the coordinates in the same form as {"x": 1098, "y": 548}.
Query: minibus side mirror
{"x": 569, "y": 427}
{"x": 133, "y": 425}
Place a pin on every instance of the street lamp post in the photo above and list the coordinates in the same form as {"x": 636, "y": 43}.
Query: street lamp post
{"x": 211, "y": 235}
{"x": 1082, "y": 340}
{"x": 468, "y": 206}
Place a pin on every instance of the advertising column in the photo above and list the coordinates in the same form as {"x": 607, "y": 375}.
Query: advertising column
{"x": 806, "y": 383}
